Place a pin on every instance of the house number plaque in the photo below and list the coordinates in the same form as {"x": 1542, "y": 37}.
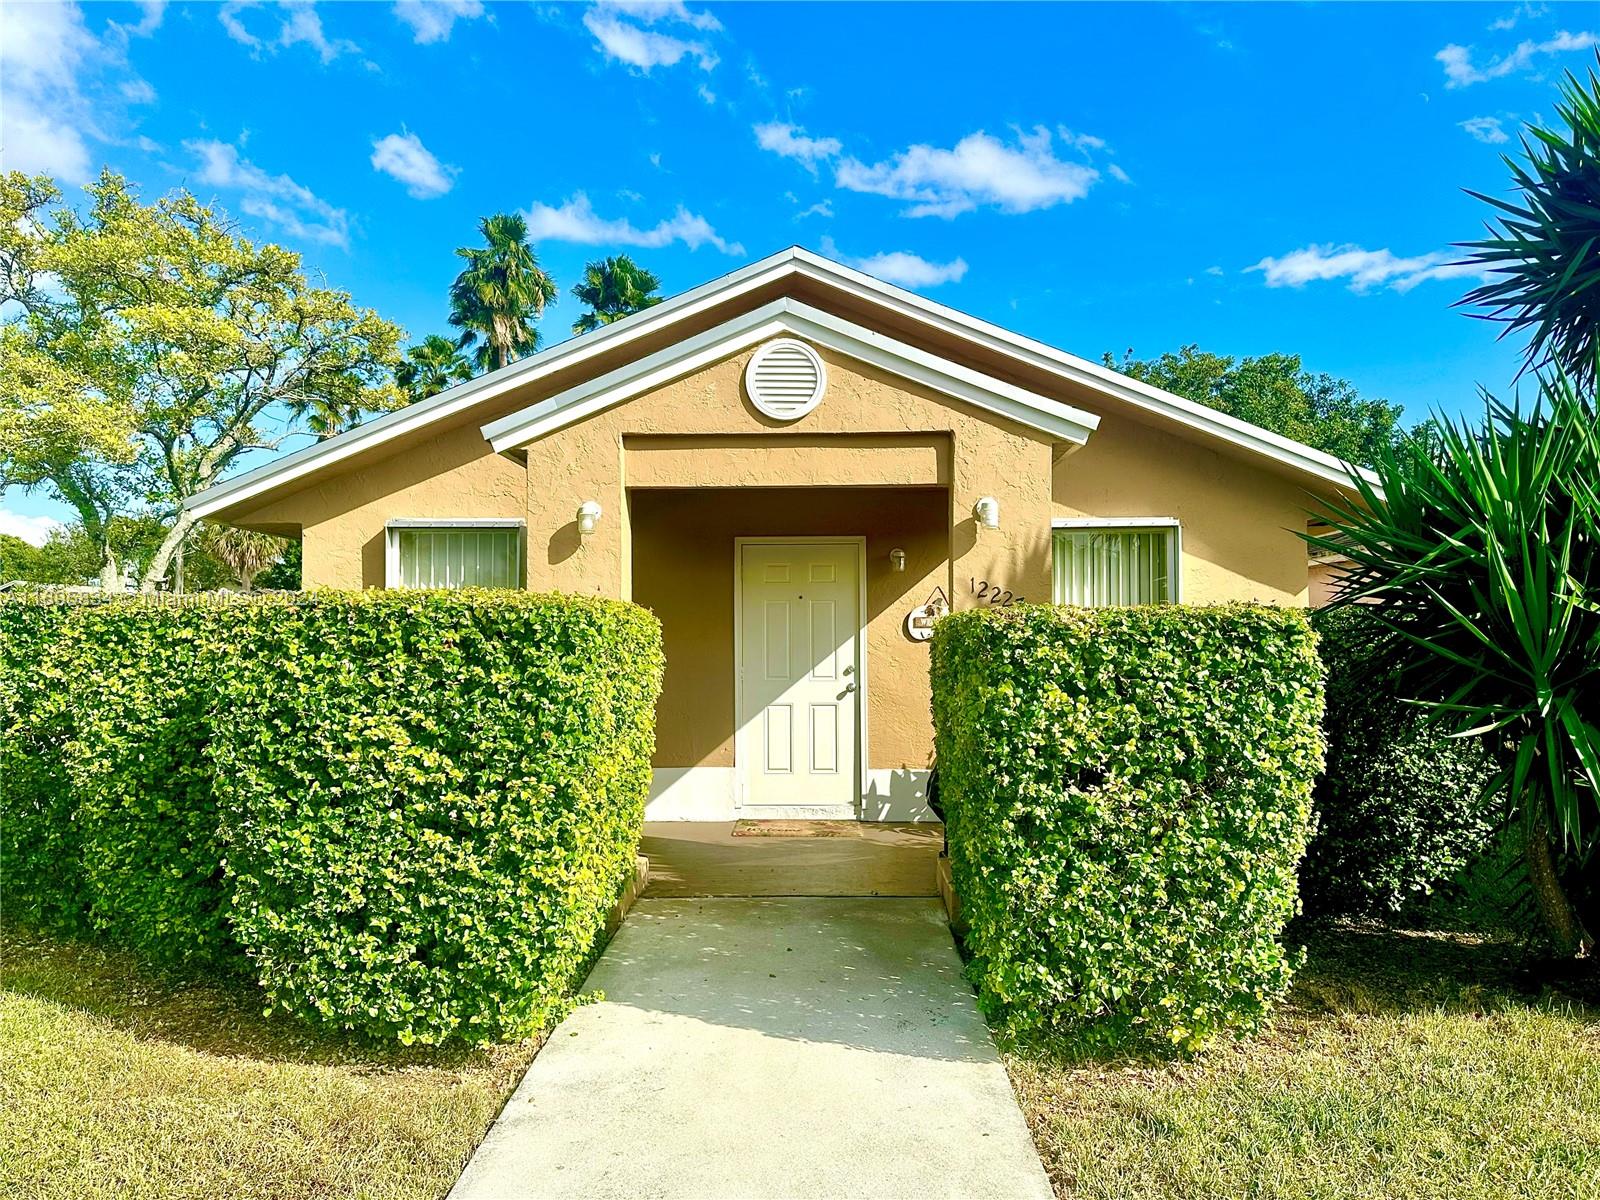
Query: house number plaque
{"x": 992, "y": 593}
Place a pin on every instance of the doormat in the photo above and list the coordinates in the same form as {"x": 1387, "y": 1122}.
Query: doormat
{"x": 797, "y": 829}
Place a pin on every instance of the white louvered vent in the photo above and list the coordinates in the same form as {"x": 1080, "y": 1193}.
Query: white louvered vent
{"x": 785, "y": 379}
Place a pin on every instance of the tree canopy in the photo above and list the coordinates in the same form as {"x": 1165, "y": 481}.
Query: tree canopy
{"x": 152, "y": 347}
{"x": 614, "y": 288}
{"x": 500, "y": 294}
{"x": 1276, "y": 392}
{"x": 429, "y": 367}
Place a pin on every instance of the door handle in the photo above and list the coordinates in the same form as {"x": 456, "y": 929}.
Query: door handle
{"x": 848, "y": 688}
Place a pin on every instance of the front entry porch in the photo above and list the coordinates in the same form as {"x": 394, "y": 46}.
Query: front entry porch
{"x": 707, "y": 858}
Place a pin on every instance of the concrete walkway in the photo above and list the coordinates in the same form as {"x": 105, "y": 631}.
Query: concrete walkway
{"x": 798, "y": 1047}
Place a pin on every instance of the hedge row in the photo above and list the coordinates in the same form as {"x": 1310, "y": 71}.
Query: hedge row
{"x": 1127, "y": 796}
{"x": 1400, "y": 808}
{"x": 406, "y": 813}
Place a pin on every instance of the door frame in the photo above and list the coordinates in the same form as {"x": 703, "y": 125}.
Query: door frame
{"x": 859, "y": 541}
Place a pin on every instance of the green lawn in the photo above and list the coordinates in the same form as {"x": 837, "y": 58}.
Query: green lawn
{"x": 1404, "y": 1065}
{"x": 118, "y": 1083}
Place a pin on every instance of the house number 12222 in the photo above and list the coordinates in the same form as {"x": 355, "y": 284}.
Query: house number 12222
{"x": 993, "y": 593}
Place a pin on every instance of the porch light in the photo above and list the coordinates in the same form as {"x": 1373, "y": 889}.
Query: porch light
{"x": 897, "y": 560}
{"x": 987, "y": 512}
{"x": 588, "y": 517}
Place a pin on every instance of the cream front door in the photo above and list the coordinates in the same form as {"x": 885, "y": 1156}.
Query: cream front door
{"x": 799, "y": 671}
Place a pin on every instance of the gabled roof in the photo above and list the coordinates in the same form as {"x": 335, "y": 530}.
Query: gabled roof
{"x": 777, "y": 317}
{"x": 767, "y": 272}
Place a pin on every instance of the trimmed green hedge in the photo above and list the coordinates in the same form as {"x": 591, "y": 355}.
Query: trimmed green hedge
{"x": 39, "y": 846}
{"x": 1127, "y": 796}
{"x": 406, "y": 812}
{"x": 1400, "y": 808}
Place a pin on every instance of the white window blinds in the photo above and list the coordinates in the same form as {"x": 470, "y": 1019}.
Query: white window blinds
{"x": 1097, "y": 567}
{"x": 453, "y": 557}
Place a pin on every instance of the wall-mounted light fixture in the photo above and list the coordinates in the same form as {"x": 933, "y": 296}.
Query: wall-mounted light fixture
{"x": 897, "y": 560}
{"x": 987, "y": 512}
{"x": 588, "y": 517}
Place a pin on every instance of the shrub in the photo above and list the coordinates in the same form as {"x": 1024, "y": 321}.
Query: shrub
{"x": 430, "y": 801}
{"x": 407, "y": 812}
{"x": 39, "y": 851}
{"x": 1128, "y": 794}
{"x": 1400, "y": 808}
{"x": 142, "y": 687}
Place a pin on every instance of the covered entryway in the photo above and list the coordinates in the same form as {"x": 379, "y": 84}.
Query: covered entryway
{"x": 792, "y": 688}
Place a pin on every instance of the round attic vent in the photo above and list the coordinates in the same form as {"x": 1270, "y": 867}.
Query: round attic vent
{"x": 785, "y": 379}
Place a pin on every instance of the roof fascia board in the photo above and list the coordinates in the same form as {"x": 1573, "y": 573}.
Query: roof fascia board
{"x": 790, "y": 316}
{"x": 467, "y": 395}
{"x": 1284, "y": 450}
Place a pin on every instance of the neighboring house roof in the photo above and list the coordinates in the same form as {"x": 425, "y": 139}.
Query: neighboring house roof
{"x": 1061, "y": 419}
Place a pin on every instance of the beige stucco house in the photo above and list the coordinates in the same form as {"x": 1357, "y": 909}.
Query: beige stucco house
{"x": 796, "y": 466}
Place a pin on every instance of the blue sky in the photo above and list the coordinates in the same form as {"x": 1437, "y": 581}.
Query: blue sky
{"x": 1251, "y": 178}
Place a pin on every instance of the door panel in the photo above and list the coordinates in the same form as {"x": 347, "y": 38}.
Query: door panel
{"x": 799, "y": 638}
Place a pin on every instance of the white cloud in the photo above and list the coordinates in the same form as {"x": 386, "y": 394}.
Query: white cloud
{"x": 790, "y": 141}
{"x": 1117, "y": 173}
{"x": 624, "y": 41}
{"x": 277, "y": 199}
{"x": 1460, "y": 71}
{"x": 978, "y": 170}
{"x": 402, "y": 156}
{"x": 433, "y": 20}
{"x": 138, "y": 91}
{"x": 901, "y": 267}
{"x": 576, "y": 221}
{"x": 1364, "y": 269}
{"x": 652, "y": 12}
{"x": 35, "y": 531}
{"x": 822, "y": 208}
{"x": 1214, "y": 271}
{"x": 43, "y": 115}
{"x": 1509, "y": 21}
{"x": 297, "y": 23}
{"x": 1486, "y": 129}
{"x": 706, "y": 94}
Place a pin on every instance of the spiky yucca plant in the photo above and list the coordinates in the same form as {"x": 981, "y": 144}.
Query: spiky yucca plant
{"x": 1481, "y": 548}
{"x": 1542, "y": 254}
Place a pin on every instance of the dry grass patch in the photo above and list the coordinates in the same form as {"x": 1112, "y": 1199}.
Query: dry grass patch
{"x": 1403, "y": 1067}
{"x": 119, "y": 1083}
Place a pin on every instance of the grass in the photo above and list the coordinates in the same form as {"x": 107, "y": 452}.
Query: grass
{"x": 1404, "y": 1065}
{"x": 118, "y": 1082}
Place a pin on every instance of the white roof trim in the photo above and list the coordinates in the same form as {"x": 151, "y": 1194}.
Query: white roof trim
{"x": 1080, "y": 370}
{"x": 719, "y": 291}
{"x": 775, "y": 319}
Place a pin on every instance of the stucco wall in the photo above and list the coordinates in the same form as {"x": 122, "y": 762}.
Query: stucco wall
{"x": 343, "y": 516}
{"x": 683, "y": 570}
{"x": 1237, "y": 519}
{"x": 864, "y": 408}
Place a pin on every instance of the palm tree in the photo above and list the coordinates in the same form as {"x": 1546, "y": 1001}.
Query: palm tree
{"x": 500, "y": 293}
{"x": 244, "y": 552}
{"x": 432, "y": 365}
{"x": 614, "y": 288}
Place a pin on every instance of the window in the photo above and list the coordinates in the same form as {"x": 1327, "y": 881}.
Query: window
{"x": 453, "y": 554}
{"x": 1123, "y": 561}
